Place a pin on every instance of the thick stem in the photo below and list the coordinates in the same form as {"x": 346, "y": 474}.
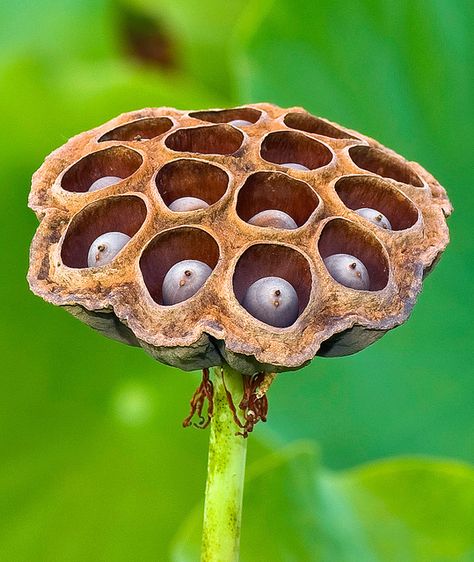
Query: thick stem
{"x": 225, "y": 474}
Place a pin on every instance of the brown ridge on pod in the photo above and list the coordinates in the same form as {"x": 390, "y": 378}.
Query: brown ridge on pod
{"x": 219, "y": 163}
{"x": 142, "y": 129}
{"x": 242, "y": 114}
{"x": 303, "y": 121}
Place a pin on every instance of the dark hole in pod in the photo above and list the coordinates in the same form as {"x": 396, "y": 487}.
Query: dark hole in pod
{"x": 311, "y": 124}
{"x": 210, "y": 139}
{"x": 227, "y": 115}
{"x": 119, "y": 161}
{"x": 340, "y": 236}
{"x": 383, "y": 164}
{"x": 191, "y": 178}
{"x": 125, "y": 213}
{"x": 358, "y": 192}
{"x": 273, "y": 260}
{"x": 141, "y": 129}
{"x": 289, "y": 146}
{"x": 275, "y": 190}
{"x": 169, "y": 248}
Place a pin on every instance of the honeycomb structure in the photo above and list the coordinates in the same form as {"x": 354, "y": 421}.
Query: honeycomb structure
{"x": 233, "y": 159}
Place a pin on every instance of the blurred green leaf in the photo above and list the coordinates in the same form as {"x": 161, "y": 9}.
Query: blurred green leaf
{"x": 401, "y": 510}
{"x": 207, "y": 36}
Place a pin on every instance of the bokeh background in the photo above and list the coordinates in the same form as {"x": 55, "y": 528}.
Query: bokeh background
{"x": 363, "y": 459}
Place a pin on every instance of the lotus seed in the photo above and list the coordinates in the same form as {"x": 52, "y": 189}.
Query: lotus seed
{"x": 274, "y": 219}
{"x": 104, "y": 182}
{"x": 348, "y": 270}
{"x": 375, "y": 216}
{"x": 295, "y": 166}
{"x": 240, "y": 123}
{"x": 184, "y": 204}
{"x": 183, "y": 280}
{"x": 272, "y": 300}
{"x": 105, "y": 248}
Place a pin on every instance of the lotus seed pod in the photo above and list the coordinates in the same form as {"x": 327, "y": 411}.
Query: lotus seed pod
{"x": 273, "y": 218}
{"x": 105, "y": 247}
{"x": 272, "y": 300}
{"x": 375, "y": 216}
{"x": 104, "y": 182}
{"x": 239, "y": 173}
{"x": 183, "y": 280}
{"x": 240, "y": 123}
{"x": 184, "y": 204}
{"x": 295, "y": 166}
{"x": 348, "y": 270}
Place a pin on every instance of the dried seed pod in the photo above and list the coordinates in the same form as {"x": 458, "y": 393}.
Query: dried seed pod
{"x": 318, "y": 173}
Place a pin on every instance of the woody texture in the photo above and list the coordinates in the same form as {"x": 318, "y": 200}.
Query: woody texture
{"x": 240, "y": 162}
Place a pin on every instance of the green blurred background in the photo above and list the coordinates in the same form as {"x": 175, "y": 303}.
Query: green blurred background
{"x": 365, "y": 458}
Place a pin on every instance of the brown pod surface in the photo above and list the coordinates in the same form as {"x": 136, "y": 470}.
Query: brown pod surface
{"x": 158, "y": 155}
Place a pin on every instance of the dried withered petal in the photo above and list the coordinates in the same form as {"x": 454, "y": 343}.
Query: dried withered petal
{"x": 239, "y": 172}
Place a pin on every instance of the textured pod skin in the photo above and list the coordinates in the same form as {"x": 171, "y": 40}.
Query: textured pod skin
{"x": 163, "y": 154}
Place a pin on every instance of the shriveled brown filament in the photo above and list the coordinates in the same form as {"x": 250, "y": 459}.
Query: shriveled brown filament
{"x": 253, "y": 405}
{"x": 204, "y": 391}
{"x": 254, "y": 402}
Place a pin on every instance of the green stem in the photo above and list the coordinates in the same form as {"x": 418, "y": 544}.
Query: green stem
{"x": 225, "y": 475}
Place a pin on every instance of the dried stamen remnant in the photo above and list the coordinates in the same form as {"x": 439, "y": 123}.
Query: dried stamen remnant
{"x": 254, "y": 402}
{"x": 205, "y": 391}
